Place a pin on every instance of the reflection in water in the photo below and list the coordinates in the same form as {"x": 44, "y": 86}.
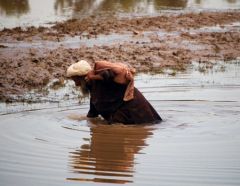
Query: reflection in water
{"x": 61, "y": 5}
{"x": 171, "y": 3}
{"x": 231, "y": 1}
{"x": 81, "y": 7}
{"x": 213, "y": 3}
{"x": 109, "y": 155}
{"x": 14, "y": 7}
{"x": 46, "y": 11}
{"x": 204, "y": 1}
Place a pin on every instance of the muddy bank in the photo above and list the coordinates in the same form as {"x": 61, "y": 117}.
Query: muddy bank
{"x": 24, "y": 68}
{"x": 95, "y": 25}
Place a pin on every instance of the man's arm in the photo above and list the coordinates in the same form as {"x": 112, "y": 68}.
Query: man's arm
{"x": 92, "y": 76}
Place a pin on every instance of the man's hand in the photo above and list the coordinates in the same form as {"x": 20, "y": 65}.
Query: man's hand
{"x": 92, "y": 76}
{"x": 89, "y": 76}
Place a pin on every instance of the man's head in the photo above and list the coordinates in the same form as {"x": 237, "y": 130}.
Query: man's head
{"x": 77, "y": 73}
{"x": 80, "y": 68}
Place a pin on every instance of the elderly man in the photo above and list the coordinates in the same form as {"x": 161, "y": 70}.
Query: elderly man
{"x": 112, "y": 92}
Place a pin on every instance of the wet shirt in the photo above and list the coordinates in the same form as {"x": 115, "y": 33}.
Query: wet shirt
{"x": 106, "y": 99}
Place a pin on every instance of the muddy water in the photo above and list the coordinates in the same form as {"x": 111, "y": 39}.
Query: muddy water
{"x": 197, "y": 143}
{"x": 33, "y": 12}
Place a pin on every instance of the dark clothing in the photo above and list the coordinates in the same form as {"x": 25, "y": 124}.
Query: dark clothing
{"x": 107, "y": 100}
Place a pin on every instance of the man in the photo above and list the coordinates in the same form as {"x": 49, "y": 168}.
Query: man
{"x": 112, "y": 92}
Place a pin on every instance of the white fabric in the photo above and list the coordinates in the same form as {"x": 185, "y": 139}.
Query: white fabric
{"x": 80, "y": 68}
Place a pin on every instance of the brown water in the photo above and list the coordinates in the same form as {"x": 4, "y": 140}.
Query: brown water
{"x": 34, "y": 12}
{"x": 198, "y": 142}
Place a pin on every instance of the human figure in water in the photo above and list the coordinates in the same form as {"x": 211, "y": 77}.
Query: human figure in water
{"x": 112, "y": 92}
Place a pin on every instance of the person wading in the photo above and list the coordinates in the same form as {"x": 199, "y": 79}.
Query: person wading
{"x": 112, "y": 92}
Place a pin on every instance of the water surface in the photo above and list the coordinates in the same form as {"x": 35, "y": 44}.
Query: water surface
{"x": 197, "y": 143}
{"x": 34, "y": 12}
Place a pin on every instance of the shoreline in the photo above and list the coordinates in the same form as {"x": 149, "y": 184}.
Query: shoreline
{"x": 200, "y": 37}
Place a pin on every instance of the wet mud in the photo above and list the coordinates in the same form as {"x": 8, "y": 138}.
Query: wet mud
{"x": 31, "y": 57}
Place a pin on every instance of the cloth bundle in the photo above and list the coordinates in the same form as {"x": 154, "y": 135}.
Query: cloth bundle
{"x": 124, "y": 74}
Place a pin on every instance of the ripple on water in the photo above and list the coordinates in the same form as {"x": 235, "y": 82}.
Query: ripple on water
{"x": 197, "y": 144}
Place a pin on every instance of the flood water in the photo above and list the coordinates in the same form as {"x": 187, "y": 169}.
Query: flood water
{"x": 198, "y": 142}
{"x": 34, "y": 12}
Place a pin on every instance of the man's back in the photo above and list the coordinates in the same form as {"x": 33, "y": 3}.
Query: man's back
{"x": 107, "y": 100}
